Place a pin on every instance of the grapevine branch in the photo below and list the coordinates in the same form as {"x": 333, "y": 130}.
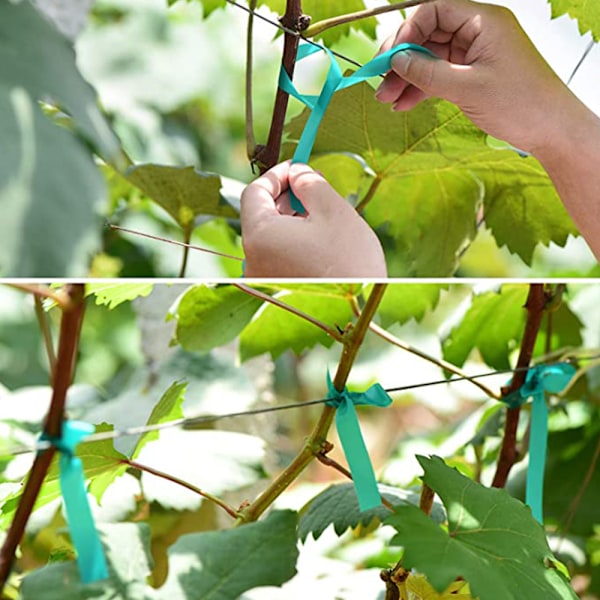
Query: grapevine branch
{"x": 70, "y": 329}
{"x": 334, "y": 333}
{"x": 392, "y": 339}
{"x": 268, "y": 155}
{"x": 535, "y": 306}
{"x": 317, "y": 439}
{"x": 136, "y": 465}
{"x": 321, "y": 26}
{"x": 250, "y": 139}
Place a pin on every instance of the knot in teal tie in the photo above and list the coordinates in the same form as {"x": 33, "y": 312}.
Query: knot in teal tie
{"x": 334, "y": 82}
{"x": 542, "y": 378}
{"x": 90, "y": 554}
{"x": 356, "y": 453}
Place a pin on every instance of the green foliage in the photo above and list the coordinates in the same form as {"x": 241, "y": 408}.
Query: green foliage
{"x": 113, "y": 294}
{"x": 185, "y": 193}
{"x": 493, "y": 324}
{"x": 492, "y": 541}
{"x": 52, "y": 188}
{"x": 208, "y": 317}
{"x": 210, "y": 565}
{"x": 167, "y": 409}
{"x": 586, "y": 13}
{"x": 430, "y": 182}
{"x": 338, "y": 506}
{"x": 274, "y": 331}
{"x": 402, "y": 303}
{"x": 127, "y": 578}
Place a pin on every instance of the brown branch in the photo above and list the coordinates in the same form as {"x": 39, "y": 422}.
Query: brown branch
{"x": 250, "y": 138}
{"x": 136, "y": 465}
{"x": 317, "y": 439}
{"x": 321, "y": 26}
{"x": 330, "y": 331}
{"x": 535, "y": 305}
{"x": 70, "y": 329}
{"x": 46, "y": 334}
{"x": 426, "y": 500}
{"x": 266, "y": 156}
{"x": 42, "y": 291}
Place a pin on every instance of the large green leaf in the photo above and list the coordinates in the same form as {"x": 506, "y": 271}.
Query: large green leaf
{"x": 492, "y": 541}
{"x": 433, "y": 169}
{"x": 276, "y": 330}
{"x": 51, "y": 189}
{"x": 586, "y": 12}
{"x": 127, "y": 549}
{"x": 338, "y": 506}
{"x": 493, "y": 325}
{"x": 208, "y": 317}
{"x": 184, "y": 192}
{"x": 222, "y": 565}
{"x": 401, "y": 303}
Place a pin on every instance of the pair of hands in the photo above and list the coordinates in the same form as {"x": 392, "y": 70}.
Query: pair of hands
{"x": 487, "y": 66}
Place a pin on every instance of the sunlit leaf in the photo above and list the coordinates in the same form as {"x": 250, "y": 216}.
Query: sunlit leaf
{"x": 492, "y": 541}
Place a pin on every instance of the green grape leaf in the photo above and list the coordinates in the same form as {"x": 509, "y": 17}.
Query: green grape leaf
{"x": 433, "y": 169}
{"x": 208, "y": 317}
{"x": 338, "y": 506}
{"x": 566, "y": 331}
{"x": 113, "y": 294}
{"x": 184, "y": 192}
{"x": 221, "y": 565}
{"x": 168, "y": 408}
{"x": 492, "y": 541}
{"x": 275, "y": 330}
{"x": 127, "y": 550}
{"x": 101, "y": 463}
{"x": 325, "y": 9}
{"x": 493, "y": 325}
{"x": 587, "y": 14}
{"x": 401, "y": 303}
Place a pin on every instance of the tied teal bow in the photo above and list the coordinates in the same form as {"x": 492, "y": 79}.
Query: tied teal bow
{"x": 90, "y": 554}
{"x": 540, "y": 379}
{"x": 334, "y": 82}
{"x": 353, "y": 444}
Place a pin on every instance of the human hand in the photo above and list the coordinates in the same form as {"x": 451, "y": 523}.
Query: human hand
{"x": 331, "y": 240}
{"x": 488, "y": 67}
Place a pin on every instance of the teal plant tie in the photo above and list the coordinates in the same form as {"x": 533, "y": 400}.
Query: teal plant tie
{"x": 90, "y": 554}
{"x": 543, "y": 378}
{"x": 334, "y": 82}
{"x": 353, "y": 443}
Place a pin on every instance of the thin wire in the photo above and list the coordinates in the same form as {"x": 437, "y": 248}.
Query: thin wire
{"x": 191, "y": 422}
{"x": 162, "y": 239}
{"x": 581, "y": 61}
{"x": 285, "y": 29}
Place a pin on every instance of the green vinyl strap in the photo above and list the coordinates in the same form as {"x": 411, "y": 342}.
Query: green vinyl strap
{"x": 334, "y": 82}
{"x": 90, "y": 554}
{"x": 352, "y": 441}
{"x": 542, "y": 378}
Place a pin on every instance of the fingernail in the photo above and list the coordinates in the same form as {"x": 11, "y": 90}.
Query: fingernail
{"x": 401, "y": 60}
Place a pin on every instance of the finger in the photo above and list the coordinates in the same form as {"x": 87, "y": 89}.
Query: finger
{"x": 313, "y": 190}
{"x": 258, "y": 198}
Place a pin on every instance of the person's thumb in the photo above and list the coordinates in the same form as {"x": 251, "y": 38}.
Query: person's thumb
{"x": 313, "y": 190}
{"x": 434, "y": 76}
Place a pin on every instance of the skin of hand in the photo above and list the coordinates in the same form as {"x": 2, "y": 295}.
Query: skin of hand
{"x": 490, "y": 69}
{"x": 331, "y": 240}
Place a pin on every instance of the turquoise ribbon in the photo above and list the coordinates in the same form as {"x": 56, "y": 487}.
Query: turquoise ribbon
{"x": 334, "y": 82}
{"x": 543, "y": 378}
{"x": 353, "y": 443}
{"x": 90, "y": 554}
